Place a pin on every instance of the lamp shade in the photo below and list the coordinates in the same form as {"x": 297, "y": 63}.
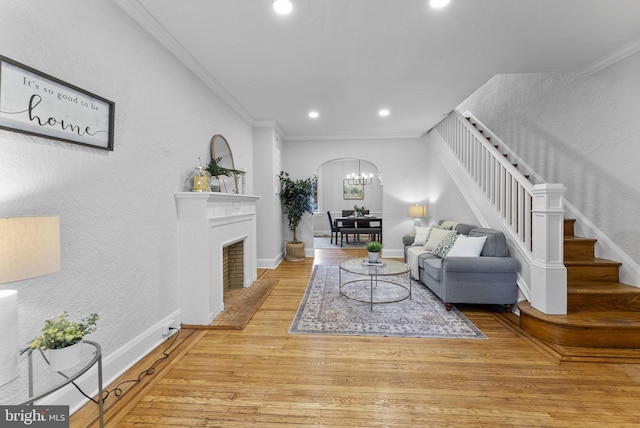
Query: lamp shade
{"x": 29, "y": 247}
{"x": 417, "y": 211}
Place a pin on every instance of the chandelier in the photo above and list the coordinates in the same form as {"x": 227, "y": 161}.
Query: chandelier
{"x": 360, "y": 178}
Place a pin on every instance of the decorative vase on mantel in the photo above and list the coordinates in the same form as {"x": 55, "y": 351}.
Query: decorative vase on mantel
{"x": 64, "y": 358}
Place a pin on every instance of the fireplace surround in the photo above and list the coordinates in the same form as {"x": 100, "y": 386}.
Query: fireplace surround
{"x": 207, "y": 223}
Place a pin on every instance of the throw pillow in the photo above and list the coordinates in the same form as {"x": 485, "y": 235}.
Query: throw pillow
{"x": 468, "y": 246}
{"x": 449, "y": 224}
{"x": 437, "y": 234}
{"x": 445, "y": 245}
{"x": 422, "y": 233}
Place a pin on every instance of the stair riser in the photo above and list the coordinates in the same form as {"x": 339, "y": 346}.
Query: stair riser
{"x": 579, "y": 249}
{"x": 603, "y": 302}
{"x": 592, "y": 273}
{"x": 593, "y": 337}
{"x": 568, "y": 227}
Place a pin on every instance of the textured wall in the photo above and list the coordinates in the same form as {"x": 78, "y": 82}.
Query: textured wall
{"x": 582, "y": 131}
{"x": 118, "y": 219}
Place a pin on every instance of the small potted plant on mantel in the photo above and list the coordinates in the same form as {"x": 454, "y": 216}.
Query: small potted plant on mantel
{"x": 61, "y": 340}
{"x": 374, "y": 248}
{"x": 216, "y": 170}
{"x": 297, "y": 198}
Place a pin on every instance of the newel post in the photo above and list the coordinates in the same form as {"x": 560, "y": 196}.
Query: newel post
{"x": 548, "y": 273}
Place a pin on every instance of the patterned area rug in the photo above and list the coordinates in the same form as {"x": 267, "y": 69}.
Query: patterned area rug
{"x": 323, "y": 310}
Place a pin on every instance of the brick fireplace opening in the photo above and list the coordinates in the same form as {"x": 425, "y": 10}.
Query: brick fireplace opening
{"x": 233, "y": 266}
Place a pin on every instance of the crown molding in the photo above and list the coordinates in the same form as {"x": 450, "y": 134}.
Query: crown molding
{"x": 138, "y": 13}
{"x": 383, "y": 136}
{"x": 611, "y": 58}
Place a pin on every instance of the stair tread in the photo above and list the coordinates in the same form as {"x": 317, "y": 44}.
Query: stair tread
{"x": 573, "y": 238}
{"x": 600, "y": 287}
{"x": 587, "y": 319}
{"x": 583, "y": 261}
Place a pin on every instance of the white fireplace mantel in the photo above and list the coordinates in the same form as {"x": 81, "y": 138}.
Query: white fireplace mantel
{"x": 208, "y": 222}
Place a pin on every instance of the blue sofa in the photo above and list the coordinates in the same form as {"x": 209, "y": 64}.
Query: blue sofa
{"x": 487, "y": 279}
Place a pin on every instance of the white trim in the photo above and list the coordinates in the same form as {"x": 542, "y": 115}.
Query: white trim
{"x": 458, "y": 173}
{"x": 337, "y": 137}
{"x": 113, "y": 366}
{"x": 137, "y": 11}
{"x": 270, "y": 263}
{"x": 611, "y": 58}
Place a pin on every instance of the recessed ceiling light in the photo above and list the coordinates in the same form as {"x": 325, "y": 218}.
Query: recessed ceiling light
{"x": 438, "y": 3}
{"x": 383, "y": 112}
{"x": 313, "y": 114}
{"x": 283, "y": 7}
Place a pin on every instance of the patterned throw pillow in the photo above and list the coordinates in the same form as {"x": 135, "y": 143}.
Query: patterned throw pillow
{"x": 436, "y": 235}
{"x": 445, "y": 245}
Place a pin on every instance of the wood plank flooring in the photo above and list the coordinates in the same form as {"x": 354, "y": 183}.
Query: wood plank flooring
{"x": 262, "y": 376}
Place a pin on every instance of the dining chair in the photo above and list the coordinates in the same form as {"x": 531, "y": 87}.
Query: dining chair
{"x": 335, "y": 228}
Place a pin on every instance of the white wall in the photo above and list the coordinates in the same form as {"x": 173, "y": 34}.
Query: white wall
{"x": 266, "y": 146}
{"x": 401, "y": 164}
{"x": 118, "y": 217}
{"x": 579, "y": 130}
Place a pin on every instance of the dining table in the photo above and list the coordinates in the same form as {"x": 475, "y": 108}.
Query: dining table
{"x": 366, "y": 223}
{"x": 361, "y": 221}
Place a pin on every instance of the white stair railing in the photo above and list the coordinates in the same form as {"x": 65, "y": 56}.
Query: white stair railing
{"x": 533, "y": 215}
{"x": 506, "y": 188}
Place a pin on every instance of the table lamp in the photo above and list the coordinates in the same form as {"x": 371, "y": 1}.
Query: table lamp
{"x": 29, "y": 247}
{"x": 417, "y": 212}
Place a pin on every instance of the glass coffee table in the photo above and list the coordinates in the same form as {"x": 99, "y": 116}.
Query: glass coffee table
{"x": 355, "y": 275}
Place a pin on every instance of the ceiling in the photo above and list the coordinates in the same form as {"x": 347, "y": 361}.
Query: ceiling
{"x": 347, "y": 59}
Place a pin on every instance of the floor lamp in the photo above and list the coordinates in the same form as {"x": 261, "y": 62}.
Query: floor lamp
{"x": 29, "y": 247}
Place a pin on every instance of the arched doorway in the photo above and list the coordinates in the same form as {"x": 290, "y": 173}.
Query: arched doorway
{"x": 334, "y": 193}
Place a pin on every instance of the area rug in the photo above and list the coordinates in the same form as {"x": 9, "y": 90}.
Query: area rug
{"x": 323, "y": 310}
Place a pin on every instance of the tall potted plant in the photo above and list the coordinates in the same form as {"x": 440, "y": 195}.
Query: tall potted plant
{"x": 297, "y": 198}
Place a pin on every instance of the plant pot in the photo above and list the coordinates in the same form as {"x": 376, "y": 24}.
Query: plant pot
{"x": 374, "y": 257}
{"x": 214, "y": 183}
{"x": 294, "y": 252}
{"x": 64, "y": 358}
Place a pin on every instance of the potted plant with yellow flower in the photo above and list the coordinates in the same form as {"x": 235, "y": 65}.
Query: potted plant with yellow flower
{"x": 61, "y": 340}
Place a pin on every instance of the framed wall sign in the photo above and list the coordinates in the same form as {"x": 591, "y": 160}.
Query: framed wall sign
{"x": 34, "y": 103}
{"x": 352, "y": 191}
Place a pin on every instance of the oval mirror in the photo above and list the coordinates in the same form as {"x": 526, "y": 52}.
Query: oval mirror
{"x": 220, "y": 149}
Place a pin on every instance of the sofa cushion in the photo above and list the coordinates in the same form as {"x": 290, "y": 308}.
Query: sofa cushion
{"x": 444, "y": 246}
{"x": 433, "y": 267}
{"x": 467, "y": 246}
{"x": 496, "y": 244}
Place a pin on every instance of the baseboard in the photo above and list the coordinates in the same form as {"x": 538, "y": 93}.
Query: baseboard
{"x": 113, "y": 365}
{"x": 270, "y": 263}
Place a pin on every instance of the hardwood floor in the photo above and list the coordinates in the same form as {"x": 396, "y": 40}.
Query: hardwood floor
{"x": 263, "y": 376}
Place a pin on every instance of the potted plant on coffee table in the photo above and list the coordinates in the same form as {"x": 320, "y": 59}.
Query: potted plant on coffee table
{"x": 297, "y": 199}
{"x": 374, "y": 248}
{"x": 61, "y": 340}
